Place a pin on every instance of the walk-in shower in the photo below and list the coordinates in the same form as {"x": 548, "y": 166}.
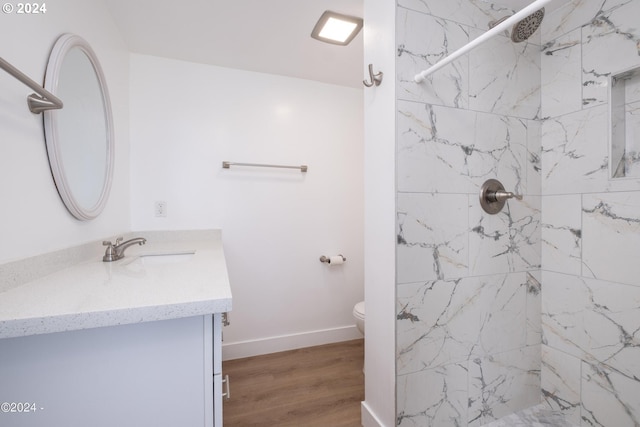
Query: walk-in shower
{"x": 530, "y": 313}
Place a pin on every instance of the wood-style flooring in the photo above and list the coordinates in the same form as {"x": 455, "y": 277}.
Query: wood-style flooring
{"x": 316, "y": 386}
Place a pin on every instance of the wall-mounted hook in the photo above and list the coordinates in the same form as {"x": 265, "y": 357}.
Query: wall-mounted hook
{"x": 376, "y": 78}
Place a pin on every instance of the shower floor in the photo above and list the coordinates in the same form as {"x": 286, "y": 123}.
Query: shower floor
{"x": 535, "y": 416}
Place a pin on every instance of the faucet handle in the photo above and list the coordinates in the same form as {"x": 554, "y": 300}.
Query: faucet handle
{"x": 108, "y": 243}
{"x": 493, "y": 196}
{"x": 501, "y": 195}
{"x": 109, "y": 253}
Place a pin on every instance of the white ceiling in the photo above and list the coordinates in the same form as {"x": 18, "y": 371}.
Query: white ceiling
{"x": 269, "y": 36}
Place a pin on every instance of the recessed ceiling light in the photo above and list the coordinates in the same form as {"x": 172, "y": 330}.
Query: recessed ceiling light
{"x": 336, "y": 28}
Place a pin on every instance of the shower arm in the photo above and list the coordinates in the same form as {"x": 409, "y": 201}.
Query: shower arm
{"x": 504, "y": 25}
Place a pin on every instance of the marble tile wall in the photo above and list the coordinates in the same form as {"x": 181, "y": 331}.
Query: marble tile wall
{"x": 468, "y": 283}
{"x": 590, "y": 223}
{"x": 544, "y": 295}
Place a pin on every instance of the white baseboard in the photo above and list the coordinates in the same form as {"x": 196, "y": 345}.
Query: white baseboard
{"x": 241, "y": 349}
{"x": 369, "y": 419}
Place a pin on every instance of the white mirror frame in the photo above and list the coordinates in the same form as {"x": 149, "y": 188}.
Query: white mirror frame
{"x": 63, "y": 45}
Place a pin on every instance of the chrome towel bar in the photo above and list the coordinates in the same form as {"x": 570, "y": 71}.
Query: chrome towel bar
{"x": 37, "y": 104}
{"x": 227, "y": 165}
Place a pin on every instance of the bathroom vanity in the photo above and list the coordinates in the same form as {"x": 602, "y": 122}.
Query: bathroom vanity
{"x": 134, "y": 342}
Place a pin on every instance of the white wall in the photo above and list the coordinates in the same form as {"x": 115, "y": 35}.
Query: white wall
{"x": 378, "y": 409}
{"x": 186, "y": 119}
{"x": 33, "y": 219}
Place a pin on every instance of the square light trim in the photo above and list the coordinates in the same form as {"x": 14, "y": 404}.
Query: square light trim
{"x": 336, "y": 28}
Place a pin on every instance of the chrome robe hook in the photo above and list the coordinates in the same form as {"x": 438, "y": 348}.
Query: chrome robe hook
{"x": 376, "y": 78}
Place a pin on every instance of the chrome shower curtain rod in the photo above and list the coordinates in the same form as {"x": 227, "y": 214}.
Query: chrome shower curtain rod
{"x": 526, "y": 11}
{"x": 37, "y": 104}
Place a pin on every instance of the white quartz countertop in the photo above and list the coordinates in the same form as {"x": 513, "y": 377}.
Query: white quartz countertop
{"x": 137, "y": 288}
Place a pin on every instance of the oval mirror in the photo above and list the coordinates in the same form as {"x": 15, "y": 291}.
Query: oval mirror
{"x": 79, "y": 137}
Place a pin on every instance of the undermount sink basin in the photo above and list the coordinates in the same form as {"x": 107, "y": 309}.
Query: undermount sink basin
{"x": 168, "y": 258}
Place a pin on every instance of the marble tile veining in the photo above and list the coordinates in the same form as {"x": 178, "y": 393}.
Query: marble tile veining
{"x": 474, "y": 13}
{"x": 533, "y": 308}
{"x": 435, "y": 145}
{"x": 435, "y": 397}
{"x": 451, "y": 150}
{"x": 617, "y": 27}
{"x": 562, "y": 233}
{"x": 504, "y": 77}
{"x": 593, "y": 320}
{"x": 536, "y": 416}
{"x": 432, "y": 236}
{"x": 533, "y": 167}
{"x": 609, "y": 398}
{"x": 611, "y": 236}
{"x": 508, "y": 241}
{"x": 445, "y": 321}
{"x": 423, "y": 40}
{"x": 574, "y": 157}
{"x": 562, "y": 75}
{"x": 502, "y": 384}
{"x": 561, "y": 382}
{"x": 437, "y": 323}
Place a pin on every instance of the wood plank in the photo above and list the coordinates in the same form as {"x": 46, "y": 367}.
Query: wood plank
{"x": 314, "y": 386}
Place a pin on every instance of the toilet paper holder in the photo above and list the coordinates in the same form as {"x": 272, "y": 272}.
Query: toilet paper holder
{"x": 327, "y": 260}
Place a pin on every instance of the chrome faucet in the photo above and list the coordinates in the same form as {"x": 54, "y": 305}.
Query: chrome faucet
{"x": 115, "y": 251}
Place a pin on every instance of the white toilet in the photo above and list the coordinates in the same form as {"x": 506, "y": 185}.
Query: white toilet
{"x": 358, "y": 314}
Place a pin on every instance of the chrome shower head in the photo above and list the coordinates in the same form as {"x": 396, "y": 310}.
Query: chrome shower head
{"x": 524, "y": 28}
{"x": 527, "y": 26}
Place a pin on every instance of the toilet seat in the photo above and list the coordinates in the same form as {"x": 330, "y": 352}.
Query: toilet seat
{"x": 358, "y": 310}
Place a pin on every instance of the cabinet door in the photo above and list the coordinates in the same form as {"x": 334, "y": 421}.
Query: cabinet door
{"x": 217, "y": 402}
{"x": 144, "y": 374}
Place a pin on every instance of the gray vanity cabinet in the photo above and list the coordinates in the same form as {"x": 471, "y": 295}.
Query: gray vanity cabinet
{"x": 162, "y": 373}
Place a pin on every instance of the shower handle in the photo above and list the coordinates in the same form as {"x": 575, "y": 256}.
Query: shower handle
{"x": 500, "y": 196}
{"x": 493, "y": 196}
